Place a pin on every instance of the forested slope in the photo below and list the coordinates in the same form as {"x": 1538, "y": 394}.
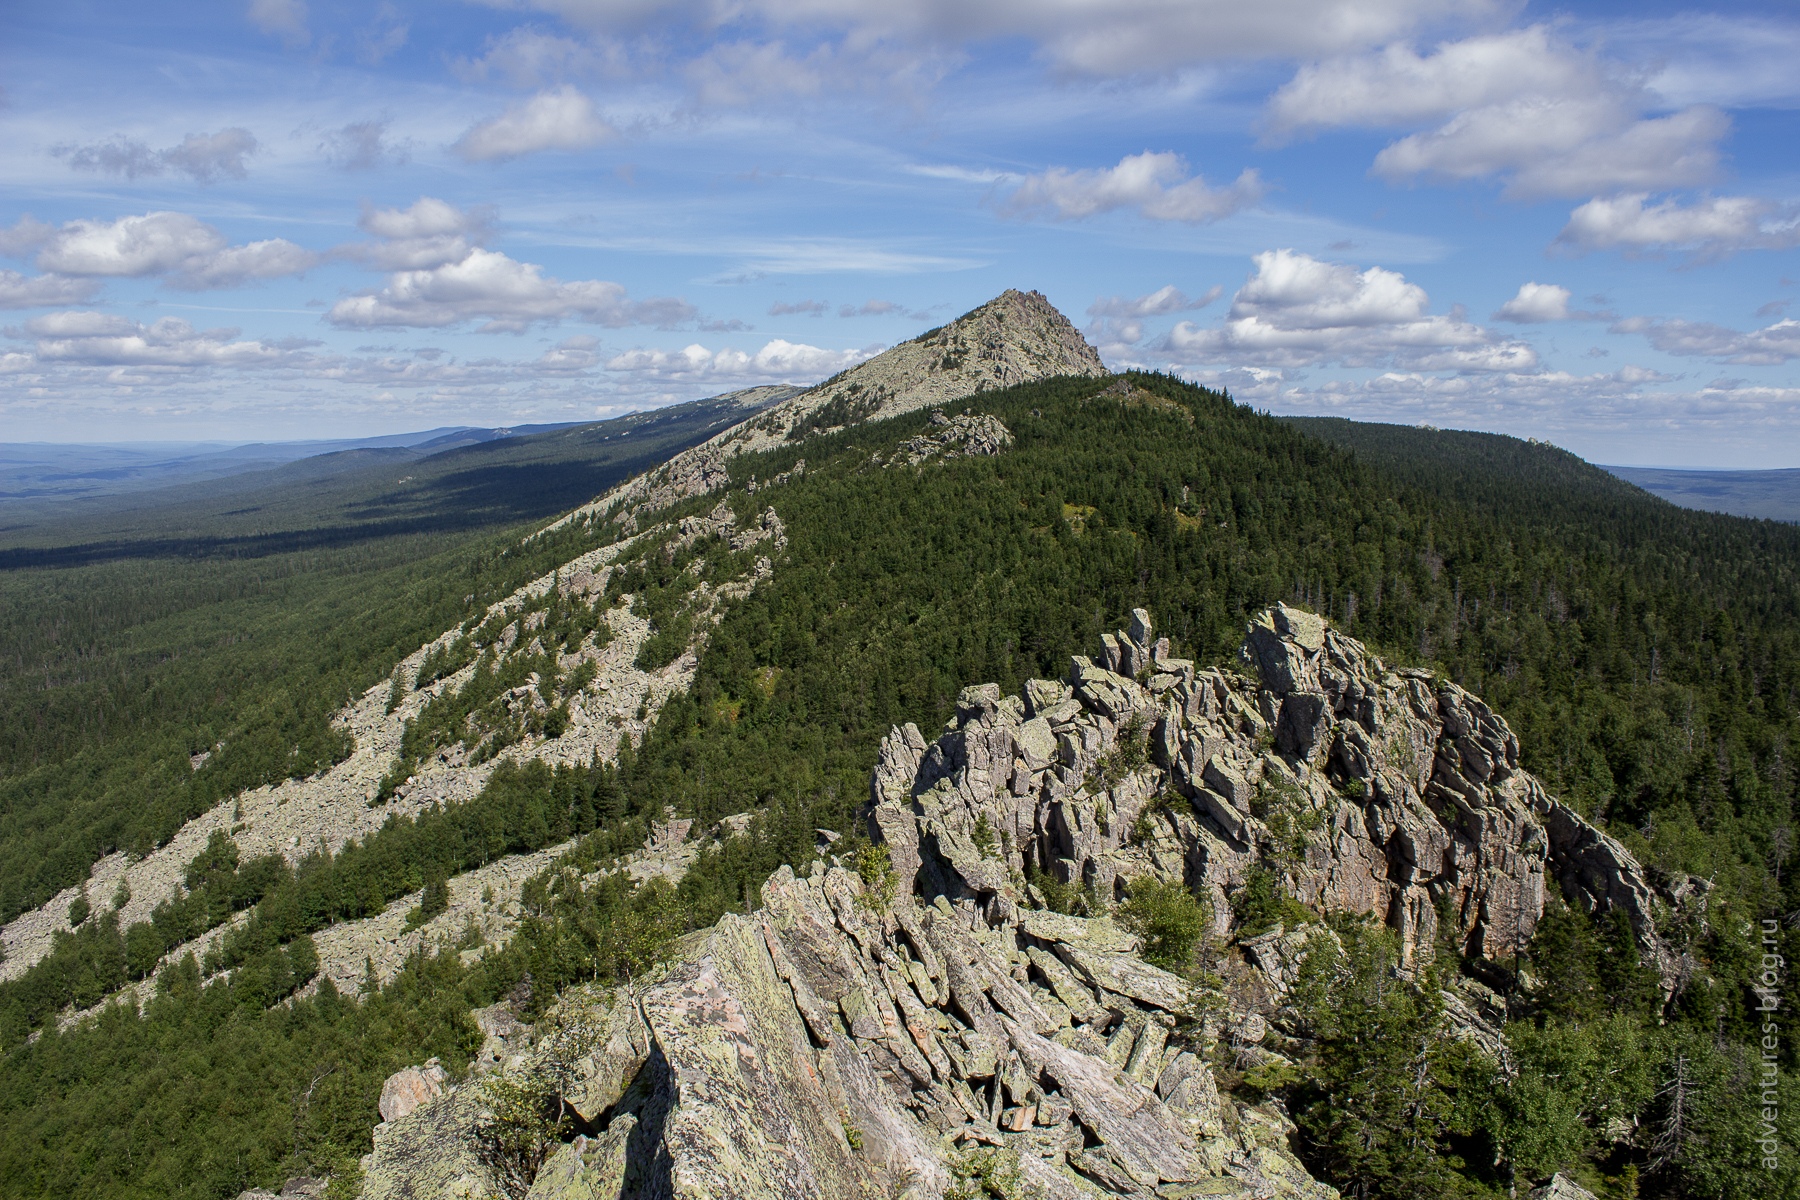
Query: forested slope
{"x": 232, "y": 619}
{"x": 1648, "y": 662}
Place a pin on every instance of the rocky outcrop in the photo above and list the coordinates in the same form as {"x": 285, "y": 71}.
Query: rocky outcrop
{"x": 850, "y": 1038}
{"x": 618, "y": 700}
{"x": 824, "y": 1047}
{"x": 1014, "y": 338}
{"x": 301, "y": 1187}
{"x": 964, "y": 436}
{"x": 1561, "y": 1187}
{"x": 1372, "y": 791}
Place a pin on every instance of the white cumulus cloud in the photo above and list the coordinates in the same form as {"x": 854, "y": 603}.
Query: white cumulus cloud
{"x": 104, "y": 340}
{"x": 189, "y": 253}
{"x": 429, "y": 233}
{"x": 43, "y": 291}
{"x": 1156, "y": 186}
{"x": 505, "y": 294}
{"x": 1521, "y": 106}
{"x": 1711, "y": 226}
{"x": 1296, "y": 310}
{"x": 1119, "y": 320}
{"x": 558, "y": 119}
{"x": 1564, "y": 146}
{"x": 1398, "y": 85}
{"x": 1536, "y": 302}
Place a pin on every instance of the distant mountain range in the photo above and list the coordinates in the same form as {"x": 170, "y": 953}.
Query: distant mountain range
{"x": 1771, "y": 494}
{"x": 55, "y": 470}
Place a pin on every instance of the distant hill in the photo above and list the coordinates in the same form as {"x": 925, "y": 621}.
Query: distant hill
{"x": 1771, "y": 494}
{"x": 465, "y": 480}
{"x": 40, "y": 471}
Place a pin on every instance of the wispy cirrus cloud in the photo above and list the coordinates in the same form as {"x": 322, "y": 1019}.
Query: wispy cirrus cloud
{"x": 363, "y": 146}
{"x": 285, "y": 19}
{"x": 1118, "y": 37}
{"x": 1158, "y": 187}
{"x": 202, "y": 157}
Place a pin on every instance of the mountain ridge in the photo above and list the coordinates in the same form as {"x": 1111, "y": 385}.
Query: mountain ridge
{"x": 919, "y": 555}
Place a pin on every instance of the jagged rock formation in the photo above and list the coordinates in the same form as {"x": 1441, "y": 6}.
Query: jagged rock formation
{"x": 1561, "y": 1187}
{"x": 1017, "y": 337}
{"x": 1371, "y": 791}
{"x": 824, "y": 1047}
{"x": 850, "y": 1039}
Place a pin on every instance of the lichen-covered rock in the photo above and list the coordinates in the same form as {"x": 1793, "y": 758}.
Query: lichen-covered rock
{"x": 301, "y": 1187}
{"x": 823, "y": 1047}
{"x": 431, "y": 1153}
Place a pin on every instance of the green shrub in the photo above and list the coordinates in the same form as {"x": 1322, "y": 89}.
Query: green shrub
{"x": 880, "y": 883}
{"x": 1171, "y": 920}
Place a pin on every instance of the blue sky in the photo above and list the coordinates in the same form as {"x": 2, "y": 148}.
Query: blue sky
{"x": 305, "y": 218}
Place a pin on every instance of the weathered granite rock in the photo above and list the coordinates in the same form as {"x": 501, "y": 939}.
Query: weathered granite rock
{"x": 408, "y": 1089}
{"x": 431, "y": 1153}
{"x": 962, "y": 436}
{"x": 301, "y": 1187}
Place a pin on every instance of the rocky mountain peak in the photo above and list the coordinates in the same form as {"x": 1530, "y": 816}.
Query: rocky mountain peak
{"x": 1017, "y": 337}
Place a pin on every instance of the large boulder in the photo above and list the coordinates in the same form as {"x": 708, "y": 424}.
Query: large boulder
{"x": 408, "y": 1089}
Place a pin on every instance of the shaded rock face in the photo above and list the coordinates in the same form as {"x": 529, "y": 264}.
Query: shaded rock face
{"x": 1372, "y": 791}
